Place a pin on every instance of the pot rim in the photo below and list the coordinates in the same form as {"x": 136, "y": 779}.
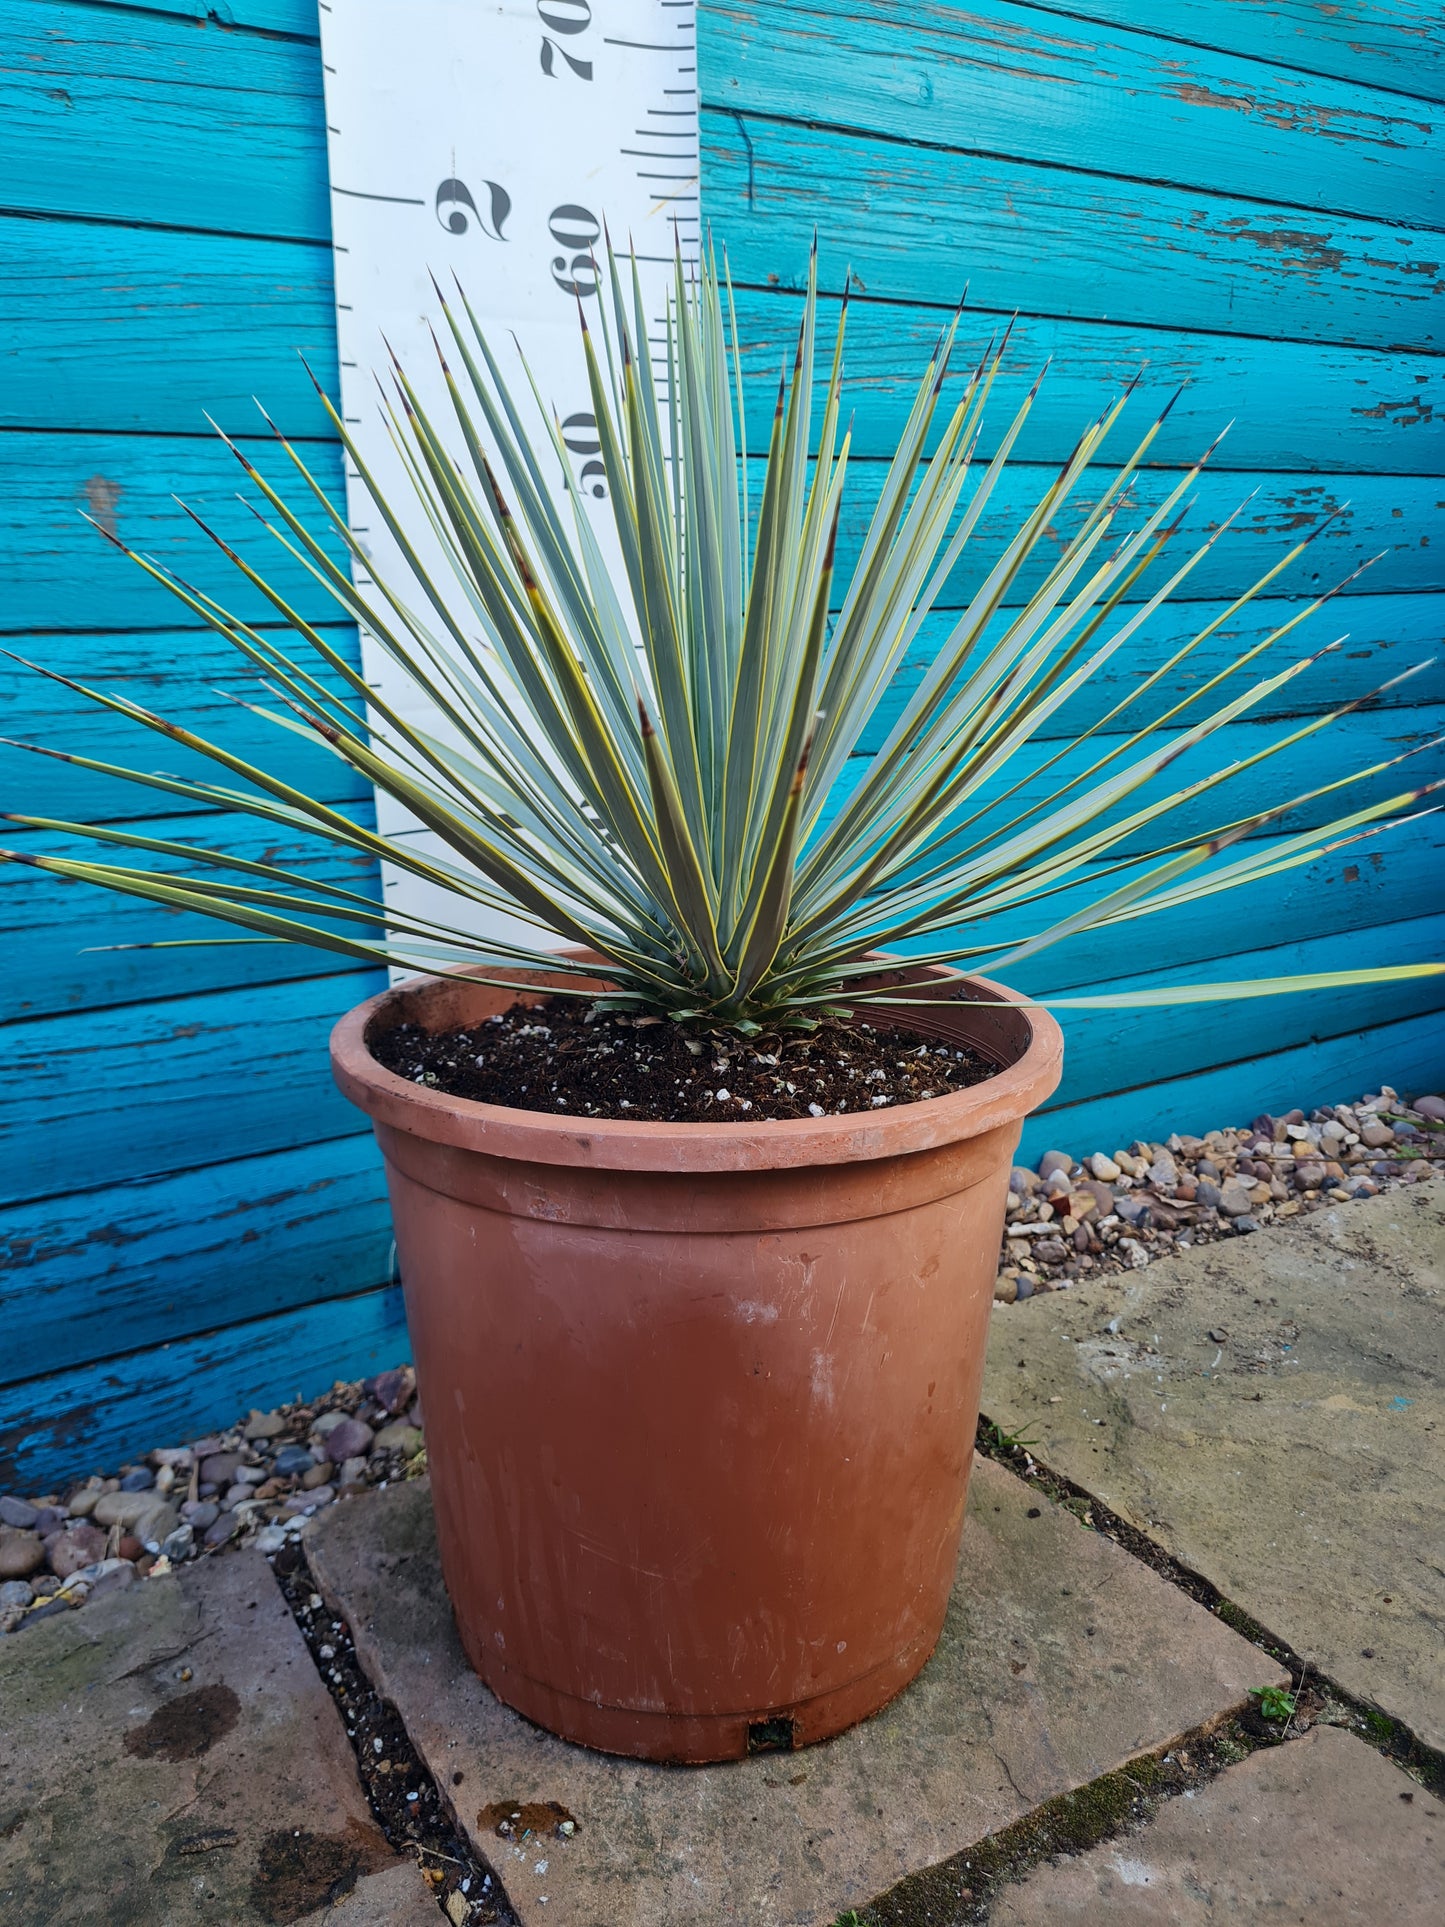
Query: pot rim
{"x": 606, "y": 1143}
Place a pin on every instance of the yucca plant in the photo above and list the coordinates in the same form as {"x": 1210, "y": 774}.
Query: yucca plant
{"x": 664, "y": 768}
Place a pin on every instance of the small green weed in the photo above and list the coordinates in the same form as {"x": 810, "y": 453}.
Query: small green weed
{"x": 1002, "y": 1441}
{"x": 1274, "y": 1702}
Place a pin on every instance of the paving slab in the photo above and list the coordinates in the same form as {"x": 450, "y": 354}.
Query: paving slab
{"x": 169, "y": 1755}
{"x": 1062, "y": 1658}
{"x": 395, "y": 1897}
{"x": 1320, "y": 1830}
{"x": 1272, "y": 1412}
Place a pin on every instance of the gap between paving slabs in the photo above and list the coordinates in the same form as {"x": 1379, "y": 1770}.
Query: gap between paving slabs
{"x": 409, "y": 1807}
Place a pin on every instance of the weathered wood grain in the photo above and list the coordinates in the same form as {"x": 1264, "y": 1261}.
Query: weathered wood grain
{"x": 1394, "y": 44}
{"x": 104, "y": 357}
{"x": 131, "y": 329}
{"x": 61, "y": 936}
{"x": 141, "y": 117}
{"x": 1393, "y": 518}
{"x": 1348, "y": 745}
{"x": 917, "y": 224}
{"x": 190, "y": 676}
{"x": 1385, "y": 636}
{"x": 140, "y": 1264}
{"x": 1290, "y": 405}
{"x": 71, "y": 1423}
{"x": 1409, "y": 1054}
{"x": 57, "y": 572}
{"x": 1116, "y": 1050}
{"x": 94, "y": 1099}
{"x": 1344, "y": 896}
{"x": 995, "y": 77}
{"x": 297, "y": 17}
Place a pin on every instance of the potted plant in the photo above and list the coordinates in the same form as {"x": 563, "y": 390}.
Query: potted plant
{"x": 699, "y": 1214}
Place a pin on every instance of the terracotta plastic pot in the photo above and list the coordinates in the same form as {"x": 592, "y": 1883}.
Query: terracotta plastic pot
{"x": 700, "y": 1399}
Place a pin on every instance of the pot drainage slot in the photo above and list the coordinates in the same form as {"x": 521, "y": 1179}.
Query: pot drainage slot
{"x": 771, "y": 1736}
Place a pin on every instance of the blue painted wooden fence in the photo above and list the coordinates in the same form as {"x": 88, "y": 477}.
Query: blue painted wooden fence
{"x": 1249, "y": 199}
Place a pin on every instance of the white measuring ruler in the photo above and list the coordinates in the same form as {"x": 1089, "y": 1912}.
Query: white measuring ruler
{"x": 492, "y": 139}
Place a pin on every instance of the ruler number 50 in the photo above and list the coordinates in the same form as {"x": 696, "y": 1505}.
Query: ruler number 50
{"x": 564, "y": 17}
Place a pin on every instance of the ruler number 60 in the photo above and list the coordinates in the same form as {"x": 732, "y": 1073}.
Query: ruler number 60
{"x": 564, "y": 17}
{"x": 575, "y": 229}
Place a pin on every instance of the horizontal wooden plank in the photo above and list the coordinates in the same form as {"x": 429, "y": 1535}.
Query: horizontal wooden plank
{"x": 1385, "y": 635}
{"x": 195, "y": 323}
{"x": 1344, "y": 896}
{"x": 1385, "y": 43}
{"x": 141, "y": 117}
{"x": 297, "y": 17}
{"x": 1389, "y": 516}
{"x": 1409, "y": 1054}
{"x": 90, "y": 1099}
{"x": 1121, "y": 1050}
{"x": 995, "y": 77}
{"x": 61, "y": 936}
{"x": 56, "y": 572}
{"x": 126, "y": 329}
{"x": 149, "y": 1263}
{"x": 94, "y": 1417}
{"x": 191, "y": 676}
{"x": 1291, "y": 405}
{"x": 916, "y": 224}
{"x": 1352, "y": 743}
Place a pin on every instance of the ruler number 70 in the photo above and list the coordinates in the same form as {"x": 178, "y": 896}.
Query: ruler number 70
{"x": 564, "y": 17}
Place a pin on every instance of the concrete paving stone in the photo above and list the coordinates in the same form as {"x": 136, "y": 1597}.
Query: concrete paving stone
{"x": 395, "y": 1897}
{"x": 1296, "y": 1458}
{"x": 1062, "y": 1658}
{"x": 169, "y": 1755}
{"x": 1321, "y": 1830}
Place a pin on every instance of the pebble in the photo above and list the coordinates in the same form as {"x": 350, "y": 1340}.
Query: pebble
{"x": 1431, "y": 1107}
{"x": 353, "y": 1471}
{"x": 1104, "y": 1168}
{"x": 346, "y": 1440}
{"x": 393, "y": 1390}
{"x": 270, "y": 1539}
{"x": 1235, "y": 1200}
{"x": 263, "y": 1425}
{"x": 15, "y": 1512}
{"x": 292, "y": 1460}
{"x": 140, "y": 1478}
{"x": 399, "y": 1437}
{"x": 120, "y": 1508}
{"x": 200, "y": 1513}
{"x": 15, "y": 1592}
{"x": 81, "y": 1504}
{"x": 222, "y": 1529}
{"x": 316, "y": 1475}
{"x": 1052, "y": 1161}
{"x": 21, "y": 1552}
{"x": 328, "y": 1423}
{"x": 81, "y": 1544}
{"x": 220, "y": 1468}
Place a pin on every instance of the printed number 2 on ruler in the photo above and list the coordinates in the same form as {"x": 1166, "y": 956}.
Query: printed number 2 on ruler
{"x": 491, "y": 140}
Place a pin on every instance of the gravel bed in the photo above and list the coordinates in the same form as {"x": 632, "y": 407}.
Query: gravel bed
{"x": 261, "y": 1482}
{"x": 1115, "y": 1211}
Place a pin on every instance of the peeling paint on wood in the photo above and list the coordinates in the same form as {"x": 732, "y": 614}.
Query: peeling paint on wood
{"x": 917, "y": 224}
{"x": 998, "y": 77}
{"x": 70, "y": 1422}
